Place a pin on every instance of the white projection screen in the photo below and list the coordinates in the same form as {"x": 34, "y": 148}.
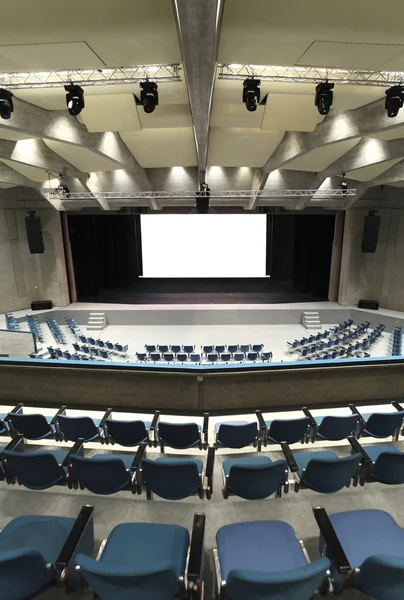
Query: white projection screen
{"x": 198, "y": 245}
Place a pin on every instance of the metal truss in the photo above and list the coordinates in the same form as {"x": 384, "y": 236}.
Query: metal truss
{"x": 311, "y": 75}
{"x": 90, "y": 77}
{"x": 190, "y": 195}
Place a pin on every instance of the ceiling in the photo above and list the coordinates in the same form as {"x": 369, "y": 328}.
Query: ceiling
{"x": 113, "y": 145}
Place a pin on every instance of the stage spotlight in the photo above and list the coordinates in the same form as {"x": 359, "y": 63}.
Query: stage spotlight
{"x": 74, "y": 99}
{"x": 394, "y": 100}
{"x": 324, "y": 97}
{"x": 149, "y": 96}
{"x": 251, "y": 93}
{"x": 202, "y": 199}
{"x": 6, "y": 104}
{"x": 63, "y": 190}
{"x": 343, "y": 184}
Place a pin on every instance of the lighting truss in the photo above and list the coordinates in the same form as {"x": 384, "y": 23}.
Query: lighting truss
{"x": 310, "y": 75}
{"x": 90, "y": 77}
{"x": 190, "y": 195}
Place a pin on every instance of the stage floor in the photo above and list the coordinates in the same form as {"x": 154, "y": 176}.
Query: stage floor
{"x": 204, "y": 291}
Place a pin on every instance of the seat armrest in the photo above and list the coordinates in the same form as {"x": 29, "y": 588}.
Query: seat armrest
{"x": 78, "y": 444}
{"x": 397, "y": 406}
{"x": 290, "y": 459}
{"x": 61, "y": 411}
{"x": 138, "y": 457}
{"x": 153, "y": 427}
{"x": 205, "y": 429}
{"x": 261, "y": 424}
{"x": 13, "y": 445}
{"x": 106, "y": 416}
{"x": 308, "y": 414}
{"x": 331, "y": 539}
{"x": 355, "y": 411}
{"x": 360, "y": 449}
{"x": 69, "y": 549}
{"x": 210, "y": 463}
{"x": 16, "y": 409}
{"x": 197, "y": 553}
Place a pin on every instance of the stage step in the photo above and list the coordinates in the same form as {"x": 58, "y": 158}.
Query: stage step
{"x": 311, "y": 320}
{"x": 96, "y": 322}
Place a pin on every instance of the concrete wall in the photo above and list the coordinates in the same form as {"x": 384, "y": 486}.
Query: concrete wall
{"x": 378, "y": 276}
{"x": 25, "y": 277}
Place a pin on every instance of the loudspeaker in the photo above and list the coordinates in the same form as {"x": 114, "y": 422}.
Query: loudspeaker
{"x": 34, "y": 233}
{"x": 370, "y": 235}
{"x": 369, "y": 304}
{"x": 41, "y": 304}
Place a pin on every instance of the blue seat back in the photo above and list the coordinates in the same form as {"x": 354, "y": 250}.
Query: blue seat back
{"x": 182, "y": 356}
{"x": 220, "y": 349}
{"x": 155, "y": 356}
{"x": 171, "y": 480}
{"x": 195, "y": 357}
{"x": 34, "y": 470}
{"x": 232, "y": 348}
{"x": 337, "y": 428}
{"x": 127, "y": 433}
{"x": 168, "y": 356}
{"x": 163, "y": 348}
{"x": 188, "y": 349}
{"x": 179, "y": 435}
{"x": 382, "y": 577}
{"x": 104, "y": 475}
{"x": 384, "y": 424}
{"x": 33, "y": 427}
{"x": 24, "y": 574}
{"x": 74, "y": 428}
{"x": 150, "y": 348}
{"x": 330, "y": 475}
{"x": 296, "y": 584}
{"x": 255, "y": 482}
{"x": 225, "y": 356}
{"x": 237, "y": 436}
{"x": 389, "y": 468}
{"x": 207, "y": 349}
{"x": 175, "y": 348}
{"x": 147, "y": 582}
{"x": 290, "y": 430}
{"x": 212, "y": 356}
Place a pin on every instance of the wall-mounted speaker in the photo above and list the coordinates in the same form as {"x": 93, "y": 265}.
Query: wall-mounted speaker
{"x": 368, "y": 304}
{"x": 41, "y": 304}
{"x": 370, "y": 235}
{"x": 33, "y": 228}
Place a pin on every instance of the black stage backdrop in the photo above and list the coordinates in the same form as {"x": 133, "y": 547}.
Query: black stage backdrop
{"x": 106, "y": 250}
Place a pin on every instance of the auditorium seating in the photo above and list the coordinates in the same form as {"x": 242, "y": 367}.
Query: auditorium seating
{"x": 366, "y": 551}
{"x": 222, "y": 353}
{"x": 380, "y": 425}
{"x": 74, "y": 328}
{"x": 381, "y": 463}
{"x": 125, "y": 433}
{"x": 55, "y": 330}
{"x": 254, "y": 478}
{"x": 181, "y": 436}
{"x": 35, "y": 327}
{"x": 396, "y": 342}
{"x": 236, "y": 434}
{"x": 11, "y": 322}
{"x": 264, "y": 559}
{"x": 332, "y": 427}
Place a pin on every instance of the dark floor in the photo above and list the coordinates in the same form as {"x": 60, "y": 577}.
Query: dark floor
{"x": 204, "y": 291}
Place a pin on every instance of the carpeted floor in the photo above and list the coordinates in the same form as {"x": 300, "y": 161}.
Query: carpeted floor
{"x": 294, "y": 508}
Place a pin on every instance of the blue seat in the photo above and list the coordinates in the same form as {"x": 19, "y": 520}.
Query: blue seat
{"x": 236, "y": 434}
{"x": 373, "y": 544}
{"x": 267, "y": 356}
{"x": 179, "y": 435}
{"x": 101, "y": 344}
{"x": 225, "y": 357}
{"x": 139, "y": 560}
{"x": 106, "y": 354}
{"x": 259, "y": 347}
{"x": 263, "y": 560}
{"x": 288, "y": 430}
{"x": 387, "y": 467}
{"x": 74, "y": 428}
{"x": 175, "y": 348}
{"x": 110, "y": 346}
{"x": 181, "y": 356}
{"x": 188, "y": 349}
{"x": 141, "y": 356}
{"x": 252, "y": 356}
{"x": 155, "y": 356}
{"x": 91, "y": 341}
{"x": 195, "y": 357}
{"x": 238, "y": 356}
{"x": 150, "y": 348}
{"x": 254, "y": 478}
{"x": 172, "y": 478}
{"x": 77, "y": 347}
{"x": 162, "y": 348}
{"x": 220, "y": 349}
{"x": 333, "y": 427}
{"x": 121, "y": 349}
{"x": 83, "y": 339}
{"x": 244, "y": 348}
{"x": 232, "y": 348}
{"x": 38, "y": 470}
{"x": 212, "y": 357}
{"x": 168, "y": 356}
{"x": 59, "y": 352}
{"x": 33, "y": 427}
{"x": 126, "y": 433}
{"x": 382, "y": 425}
{"x": 103, "y": 474}
{"x": 29, "y": 550}
{"x": 324, "y": 471}
{"x": 207, "y": 349}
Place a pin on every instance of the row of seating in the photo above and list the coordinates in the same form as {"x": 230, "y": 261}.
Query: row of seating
{"x": 228, "y": 434}
{"x": 321, "y": 335}
{"x": 92, "y": 352}
{"x": 206, "y": 349}
{"x": 11, "y": 322}
{"x": 349, "y": 350}
{"x": 83, "y": 354}
{"x": 100, "y": 344}
{"x": 335, "y": 340}
{"x": 396, "y": 342}
{"x": 211, "y": 357}
{"x": 35, "y": 327}
{"x": 55, "y": 330}
{"x": 74, "y": 328}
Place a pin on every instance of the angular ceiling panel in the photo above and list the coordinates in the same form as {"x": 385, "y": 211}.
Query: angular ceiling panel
{"x": 83, "y": 159}
{"x": 171, "y": 115}
{"x": 6, "y": 134}
{"x": 48, "y": 57}
{"x": 290, "y": 112}
{"x": 110, "y": 113}
{"x": 236, "y": 115}
{"x": 241, "y": 147}
{"x": 395, "y": 133}
{"x": 162, "y": 147}
{"x": 319, "y": 159}
{"x": 372, "y": 171}
{"x": 33, "y": 173}
{"x": 348, "y": 55}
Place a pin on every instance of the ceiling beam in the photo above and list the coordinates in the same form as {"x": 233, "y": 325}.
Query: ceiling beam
{"x": 198, "y": 26}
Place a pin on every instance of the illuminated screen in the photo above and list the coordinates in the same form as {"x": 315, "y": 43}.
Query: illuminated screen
{"x": 199, "y": 245}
